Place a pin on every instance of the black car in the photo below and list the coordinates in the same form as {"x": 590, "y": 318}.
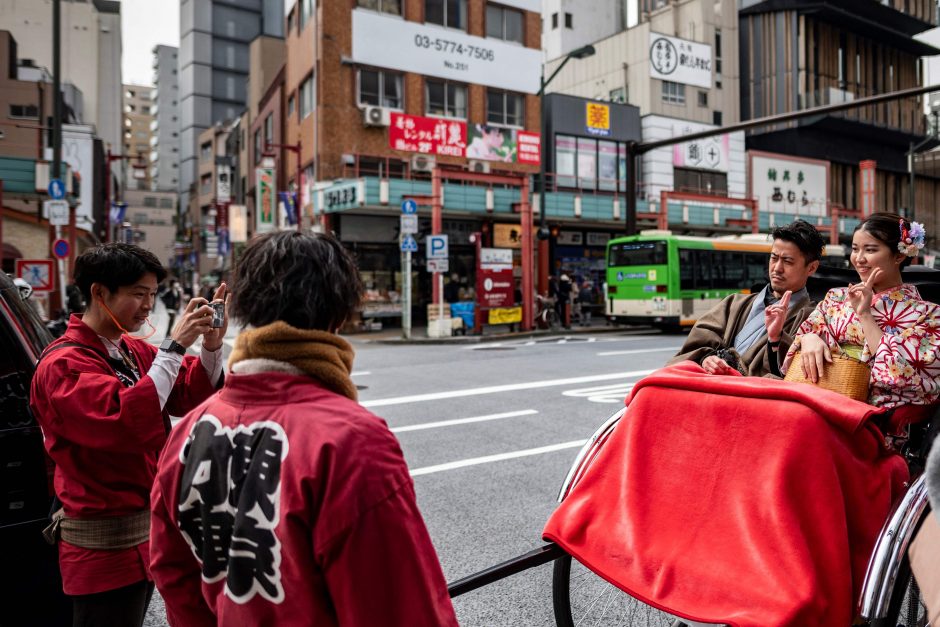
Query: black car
{"x": 30, "y": 584}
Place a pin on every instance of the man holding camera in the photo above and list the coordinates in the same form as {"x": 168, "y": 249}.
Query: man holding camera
{"x": 104, "y": 399}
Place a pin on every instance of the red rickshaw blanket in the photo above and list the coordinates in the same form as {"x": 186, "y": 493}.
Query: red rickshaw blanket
{"x": 738, "y": 500}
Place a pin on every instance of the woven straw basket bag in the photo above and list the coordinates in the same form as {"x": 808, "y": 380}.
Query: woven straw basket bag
{"x": 846, "y": 375}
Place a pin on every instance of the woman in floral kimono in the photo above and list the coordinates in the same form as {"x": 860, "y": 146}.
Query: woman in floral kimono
{"x": 897, "y": 332}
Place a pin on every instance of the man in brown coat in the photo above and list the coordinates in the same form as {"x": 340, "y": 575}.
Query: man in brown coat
{"x": 738, "y": 321}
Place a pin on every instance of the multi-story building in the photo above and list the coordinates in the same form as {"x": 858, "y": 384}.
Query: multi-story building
{"x": 165, "y": 139}
{"x": 91, "y": 54}
{"x": 376, "y": 96}
{"x": 150, "y": 221}
{"x": 138, "y": 120}
{"x": 700, "y": 64}
{"x": 794, "y": 58}
{"x": 213, "y": 69}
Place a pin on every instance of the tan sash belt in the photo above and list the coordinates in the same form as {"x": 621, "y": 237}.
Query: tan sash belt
{"x": 118, "y": 532}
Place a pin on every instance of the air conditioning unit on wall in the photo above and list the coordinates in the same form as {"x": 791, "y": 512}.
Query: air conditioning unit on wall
{"x": 376, "y": 116}
{"x": 422, "y": 163}
{"x": 481, "y": 167}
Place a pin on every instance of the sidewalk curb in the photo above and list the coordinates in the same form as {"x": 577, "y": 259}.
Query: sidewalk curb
{"x": 518, "y": 335}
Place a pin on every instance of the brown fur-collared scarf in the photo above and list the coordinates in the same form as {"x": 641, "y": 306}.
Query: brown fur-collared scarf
{"x": 326, "y": 357}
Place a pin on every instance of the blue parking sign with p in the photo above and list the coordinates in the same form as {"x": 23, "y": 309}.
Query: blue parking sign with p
{"x": 56, "y": 189}
{"x": 437, "y": 247}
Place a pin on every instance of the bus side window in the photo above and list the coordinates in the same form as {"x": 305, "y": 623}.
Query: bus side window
{"x": 686, "y": 276}
{"x": 703, "y": 266}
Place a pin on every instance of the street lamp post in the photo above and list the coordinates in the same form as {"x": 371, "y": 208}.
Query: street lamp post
{"x": 543, "y": 233}
{"x": 294, "y": 148}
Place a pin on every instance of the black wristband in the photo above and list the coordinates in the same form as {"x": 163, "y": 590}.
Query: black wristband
{"x": 773, "y": 345}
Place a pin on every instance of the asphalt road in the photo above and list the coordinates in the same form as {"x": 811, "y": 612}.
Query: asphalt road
{"x": 489, "y": 431}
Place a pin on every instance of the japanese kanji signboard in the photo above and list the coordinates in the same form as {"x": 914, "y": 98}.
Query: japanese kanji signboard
{"x": 791, "y": 185}
{"x": 429, "y": 136}
{"x": 597, "y": 119}
{"x": 680, "y": 60}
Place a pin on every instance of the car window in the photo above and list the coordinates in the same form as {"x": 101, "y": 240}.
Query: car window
{"x": 25, "y": 317}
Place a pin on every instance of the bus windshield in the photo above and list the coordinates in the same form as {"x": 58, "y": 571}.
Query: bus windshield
{"x": 637, "y": 254}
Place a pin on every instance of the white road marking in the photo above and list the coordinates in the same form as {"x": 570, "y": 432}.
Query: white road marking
{"x": 489, "y": 459}
{"x": 464, "y": 421}
{"x": 360, "y": 374}
{"x": 495, "y": 389}
{"x": 615, "y": 393}
{"x": 673, "y": 349}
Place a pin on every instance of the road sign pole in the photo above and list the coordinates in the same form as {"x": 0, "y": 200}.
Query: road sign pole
{"x": 440, "y": 302}
{"x": 406, "y": 301}
{"x": 60, "y": 264}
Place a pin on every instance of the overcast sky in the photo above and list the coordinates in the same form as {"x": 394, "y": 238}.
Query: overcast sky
{"x": 144, "y": 24}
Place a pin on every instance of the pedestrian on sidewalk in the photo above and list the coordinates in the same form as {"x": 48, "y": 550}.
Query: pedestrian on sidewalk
{"x": 281, "y": 500}
{"x": 563, "y": 304}
{"x": 172, "y": 298}
{"x": 586, "y": 301}
{"x": 103, "y": 399}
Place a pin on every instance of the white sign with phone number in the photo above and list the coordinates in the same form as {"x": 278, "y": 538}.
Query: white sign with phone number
{"x": 397, "y": 44}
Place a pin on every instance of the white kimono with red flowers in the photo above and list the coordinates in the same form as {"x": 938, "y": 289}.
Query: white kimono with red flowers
{"x": 905, "y": 369}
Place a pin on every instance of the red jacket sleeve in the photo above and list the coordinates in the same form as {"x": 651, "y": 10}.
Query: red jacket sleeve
{"x": 192, "y": 387}
{"x": 173, "y": 566}
{"x": 76, "y": 396}
{"x": 383, "y": 570}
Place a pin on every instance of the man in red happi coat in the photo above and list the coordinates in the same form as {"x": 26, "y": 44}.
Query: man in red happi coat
{"x": 104, "y": 399}
{"x": 281, "y": 500}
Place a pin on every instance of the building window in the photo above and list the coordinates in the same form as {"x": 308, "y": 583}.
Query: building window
{"x": 716, "y": 118}
{"x": 383, "y": 6}
{"x": 290, "y": 21}
{"x": 24, "y": 111}
{"x": 452, "y": 13}
{"x": 554, "y": 21}
{"x": 307, "y": 100}
{"x": 673, "y": 93}
{"x": 205, "y": 184}
{"x": 569, "y": 20}
{"x": 258, "y": 148}
{"x": 269, "y": 130}
{"x": 618, "y": 95}
{"x": 703, "y": 98}
{"x": 718, "y": 58}
{"x": 701, "y": 181}
{"x": 504, "y": 107}
{"x": 503, "y": 23}
{"x": 382, "y": 89}
{"x": 205, "y": 151}
{"x": 446, "y": 99}
{"x": 290, "y": 106}
{"x": 306, "y": 10}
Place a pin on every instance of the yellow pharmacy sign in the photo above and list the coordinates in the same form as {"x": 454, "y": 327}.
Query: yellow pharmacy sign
{"x": 597, "y": 119}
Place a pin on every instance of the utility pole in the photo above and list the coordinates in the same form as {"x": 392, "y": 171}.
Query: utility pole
{"x": 56, "y": 88}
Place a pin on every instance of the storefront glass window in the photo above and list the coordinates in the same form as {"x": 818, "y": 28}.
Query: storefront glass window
{"x": 565, "y": 151}
{"x": 587, "y": 163}
{"x": 607, "y": 166}
{"x": 622, "y": 165}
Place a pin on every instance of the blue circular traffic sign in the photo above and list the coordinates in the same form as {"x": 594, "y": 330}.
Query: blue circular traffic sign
{"x": 56, "y": 189}
{"x": 60, "y": 248}
{"x": 409, "y": 206}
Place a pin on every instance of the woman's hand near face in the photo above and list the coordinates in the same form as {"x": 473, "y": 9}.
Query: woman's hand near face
{"x": 814, "y": 355}
{"x": 860, "y": 294}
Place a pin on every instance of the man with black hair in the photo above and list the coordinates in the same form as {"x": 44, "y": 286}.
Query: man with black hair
{"x": 281, "y": 500}
{"x": 104, "y": 399}
{"x": 754, "y": 328}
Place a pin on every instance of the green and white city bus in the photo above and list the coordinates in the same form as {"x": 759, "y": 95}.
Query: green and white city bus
{"x": 670, "y": 281}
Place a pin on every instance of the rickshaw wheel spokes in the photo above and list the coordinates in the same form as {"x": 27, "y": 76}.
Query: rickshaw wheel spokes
{"x": 582, "y": 599}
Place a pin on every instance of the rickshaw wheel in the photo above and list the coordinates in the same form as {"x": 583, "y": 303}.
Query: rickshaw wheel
{"x": 580, "y": 597}
{"x": 906, "y": 608}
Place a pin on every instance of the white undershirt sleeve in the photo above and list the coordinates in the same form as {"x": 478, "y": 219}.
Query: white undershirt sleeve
{"x": 163, "y": 373}
{"x": 212, "y": 362}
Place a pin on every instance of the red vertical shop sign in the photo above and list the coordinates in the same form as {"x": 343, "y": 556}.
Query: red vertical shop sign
{"x": 494, "y": 278}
